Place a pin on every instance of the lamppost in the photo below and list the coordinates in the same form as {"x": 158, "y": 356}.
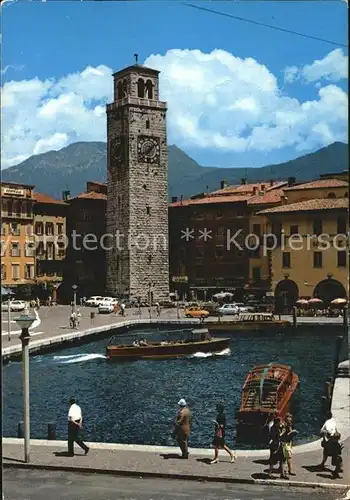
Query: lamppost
{"x": 74, "y": 287}
{"x": 24, "y": 321}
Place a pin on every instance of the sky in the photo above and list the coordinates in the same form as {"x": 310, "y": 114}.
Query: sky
{"x": 239, "y": 94}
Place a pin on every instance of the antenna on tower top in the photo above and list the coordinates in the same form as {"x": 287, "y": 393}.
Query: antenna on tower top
{"x": 136, "y": 57}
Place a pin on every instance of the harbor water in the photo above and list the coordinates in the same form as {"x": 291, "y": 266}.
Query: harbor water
{"x": 136, "y": 402}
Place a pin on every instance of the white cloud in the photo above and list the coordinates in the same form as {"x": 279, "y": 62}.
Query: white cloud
{"x": 215, "y": 100}
{"x": 333, "y": 67}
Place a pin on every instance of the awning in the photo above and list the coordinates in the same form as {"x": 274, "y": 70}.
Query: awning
{"x": 6, "y": 291}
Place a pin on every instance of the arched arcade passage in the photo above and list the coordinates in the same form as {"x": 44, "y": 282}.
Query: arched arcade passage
{"x": 286, "y": 295}
{"x": 328, "y": 290}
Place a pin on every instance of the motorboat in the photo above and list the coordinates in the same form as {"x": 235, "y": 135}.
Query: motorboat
{"x": 267, "y": 389}
{"x": 192, "y": 341}
{"x": 250, "y": 322}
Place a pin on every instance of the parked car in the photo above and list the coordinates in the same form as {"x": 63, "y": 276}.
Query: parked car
{"x": 106, "y": 307}
{"x": 94, "y": 301}
{"x": 111, "y": 300}
{"x": 243, "y": 308}
{"x": 15, "y": 305}
{"x": 213, "y": 308}
{"x": 196, "y": 312}
{"x": 229, "y": 309}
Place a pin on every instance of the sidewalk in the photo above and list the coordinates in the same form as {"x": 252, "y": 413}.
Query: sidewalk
{"x": 165, "y": 463}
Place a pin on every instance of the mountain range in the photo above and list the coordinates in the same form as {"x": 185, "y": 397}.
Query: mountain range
{"x": 71, "y": 167}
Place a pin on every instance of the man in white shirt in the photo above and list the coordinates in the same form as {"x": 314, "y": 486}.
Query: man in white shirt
{"x": 75, "y": 425}
{"x": 329, "y": 428}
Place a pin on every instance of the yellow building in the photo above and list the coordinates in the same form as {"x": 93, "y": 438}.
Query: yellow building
{"x": 308, "y": 242}
{"x": 17, "y": 246}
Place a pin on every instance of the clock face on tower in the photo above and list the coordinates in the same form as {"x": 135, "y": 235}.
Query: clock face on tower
{"x": 116, "y": 151}
{"x": 148, "y": 149}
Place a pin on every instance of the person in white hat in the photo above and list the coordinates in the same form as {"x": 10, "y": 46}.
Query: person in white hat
{"x": 182, "y": 427}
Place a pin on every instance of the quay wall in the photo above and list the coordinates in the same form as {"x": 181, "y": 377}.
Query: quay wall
{"x": 84, "y": 336}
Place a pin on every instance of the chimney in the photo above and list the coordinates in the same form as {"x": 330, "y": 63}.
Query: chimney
{"x": 65, "y": 195}
{"x": 255, "y": 190}
{"x": 271, "y": 182}
{"x": 291, "y": 181}
{"x": 262, "y": 187}
{"x": 223, "y": 184}
{"x": 173, "y": 199}
{"x": 182, "y": 196}
{"x": 243, "y": 181}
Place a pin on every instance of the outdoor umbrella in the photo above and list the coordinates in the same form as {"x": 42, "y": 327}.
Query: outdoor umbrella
{"x": 339, "y": 302}
{"x": 302, "y": 302}
{"x": 315, "y": 301}
{"x": 223, "y": 295}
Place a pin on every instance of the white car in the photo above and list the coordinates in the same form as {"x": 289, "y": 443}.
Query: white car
{"x": 110, "y": 300}
{"x": 15, "y": 305}
{"x": 106, "y": 307}
{"x": 229, "y": 309}
{"x": 94, "y": 301}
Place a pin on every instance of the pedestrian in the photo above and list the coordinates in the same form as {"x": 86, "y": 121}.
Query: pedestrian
{"x": 75, "y": 426}
{"x": 37, "y": 303}
{"x": 122, "y": 309}
{"x": 116, "y": 308}
{"x": 328, "y": 430}
{"x": 182, "y": 427}
{"x": 158, "y": 309}
{"x": 287, "y": 435}
{"x": 219, "y": 436}
{"x": 335, "y": 450}
{"x": 275, "y": 445}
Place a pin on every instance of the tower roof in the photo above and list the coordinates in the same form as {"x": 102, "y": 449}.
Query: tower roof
{"x": 137, "y": 68}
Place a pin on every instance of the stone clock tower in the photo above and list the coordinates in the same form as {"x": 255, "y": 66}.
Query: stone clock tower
{"x": 137, "y": 201}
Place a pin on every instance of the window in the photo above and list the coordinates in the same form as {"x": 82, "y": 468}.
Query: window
{"x": 9, "y": 207}
{"x": 331, "y": 195}
{"x": 199, "y": 252}
{"x": 276, "y": 228}
{"x": 50, "y": 250}
{"x": 294, "y": 229}
{"x": 15, "y": 229}
{"x": 30, "y": 249}
{"x": 3, "y": 229}
{"x": 148, "y": 210}
{"x": 59, "y": 228}
{"x": 341, "y": 225}
{"x": 286, "y": 260}
{"x": 29, "y": 271}
{"x": 342, "y": 258}
{"x": 317, "y": 259}
{"x": 17, "y": 207}
{"x": 256, "y": 273}
{"x": 3, "y": 271}
{"x": 39, "y": 228}
{"x": 255, "y": 254}
{"x": 149, "y": 89}
{"x": 140, "y": 88}
{"x": 219, "y": 253}
{"x": 40, "y": 250}
{"x": 15, "y": 272}
{"x": 147, "y": 123}
{"x": 256, "y": 229}
{"x": 61, "y": 251}
{"x": 317, "y": 227}
{"x": 49, "y": 229}
{"x": 15, "y": 250}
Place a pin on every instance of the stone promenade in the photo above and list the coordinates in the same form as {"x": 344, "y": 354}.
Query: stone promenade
{"x": 147, "y": 461}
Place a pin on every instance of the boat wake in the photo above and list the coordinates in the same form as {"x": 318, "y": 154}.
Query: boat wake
{"x": 202, "y": 355}
{"x": 78, "y": 358}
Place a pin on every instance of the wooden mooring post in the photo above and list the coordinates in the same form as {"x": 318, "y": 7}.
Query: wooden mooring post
{"x": 295, "y": 321}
